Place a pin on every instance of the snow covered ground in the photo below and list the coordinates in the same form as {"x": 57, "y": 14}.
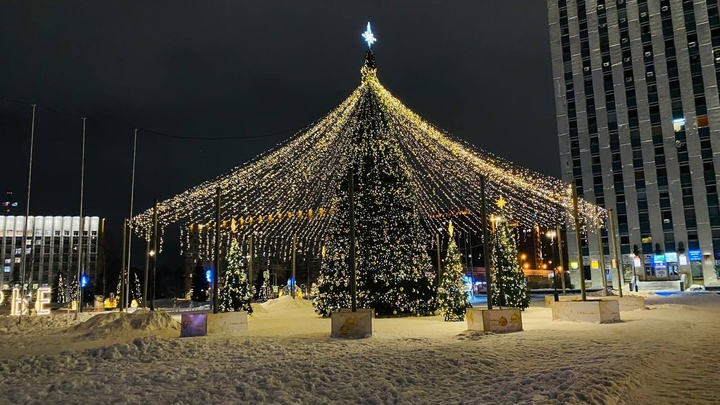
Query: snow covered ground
{"x": 665, "y": 355}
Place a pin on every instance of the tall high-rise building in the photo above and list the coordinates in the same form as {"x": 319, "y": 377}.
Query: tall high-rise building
{"x": 638, "y": 116}
{"x": 51, "y": 248}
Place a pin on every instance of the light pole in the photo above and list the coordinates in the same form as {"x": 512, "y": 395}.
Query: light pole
{"x": 552, "y": 234}
{"x": 151, "y": 255}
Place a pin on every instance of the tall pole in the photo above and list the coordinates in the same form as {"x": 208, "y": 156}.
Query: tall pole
{"x": 578, "y": 238}
{"x": 121, "y": 298}
{"x": 437, "y": 244}
{"x": 601, "y": 262}
{"x": 560, "y": 258}
{"x": 155, "y": 256}
{"x": 129, "y": 234}
{"x": 147, "y": 270}
{"x": 486, "y": 243}
{"x": 27, "y": 214}
{"x": 81, "y": 225}
{"x": 250, "y": 264}
{"x": 555, "y": 278}
{"x": 217, "y": 253}
{"x": 351, "y": 195}
{"x": 613, "y": 240}
{"x": 294, "y": 251}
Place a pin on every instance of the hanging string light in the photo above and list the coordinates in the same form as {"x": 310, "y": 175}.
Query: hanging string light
{"x": 290, "y": 189}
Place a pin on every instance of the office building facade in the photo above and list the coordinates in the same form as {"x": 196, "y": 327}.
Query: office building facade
{"x": 638, "y": 116}
{"x": 51, "y": 247}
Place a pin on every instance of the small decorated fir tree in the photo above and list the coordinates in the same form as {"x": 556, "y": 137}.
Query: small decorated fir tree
{"x": 452, "y": 297}
{"x": 508, "y": 281}
{"x": 235, "y": 294}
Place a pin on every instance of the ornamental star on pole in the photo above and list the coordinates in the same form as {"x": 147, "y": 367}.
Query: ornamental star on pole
{"x": 501, "y": 203}
{"x": 369, "y": 36}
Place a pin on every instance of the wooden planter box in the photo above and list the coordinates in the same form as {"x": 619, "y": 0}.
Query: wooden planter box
{"x": 352, "y": 325}
{"x": 207, "y": 323}
{"x": 627, "y": 302}
{"x": 494, "y": 320}
{"x": 595, "y": 311}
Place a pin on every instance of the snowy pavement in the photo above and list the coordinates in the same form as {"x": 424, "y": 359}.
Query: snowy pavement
{"x": 667, "y": 354}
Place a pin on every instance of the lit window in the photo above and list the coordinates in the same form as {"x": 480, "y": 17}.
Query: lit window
{"x": 6, "y": 269}
{"x": 679, "y": 124}
{"x": 7, "y": 261}
{"x": 17, "y": 260}
{"x": 18, "y": 251}
{"x": 702, "y": 121}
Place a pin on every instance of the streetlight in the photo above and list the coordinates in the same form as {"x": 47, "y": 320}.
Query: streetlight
{"x": 552, "y": 234}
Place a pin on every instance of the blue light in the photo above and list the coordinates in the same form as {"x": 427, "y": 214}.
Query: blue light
{"x": 84, "y": 281}
{"x": 291, "y": 282}
{"x": 209, "y": 275}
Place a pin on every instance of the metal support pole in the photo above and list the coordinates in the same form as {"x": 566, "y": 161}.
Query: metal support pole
{"x": 294, "y": 251}
{"x": 121, "y": 298}
{"x": 486, "y": 243}
{"x": 155, "y": 236}
{"x": 81, "y": 225}
{"x": 217, "y": 253}
{"x": 351, "y": 196}
{"x": 147, "y": 271}
{"x": 613, "y": 241}
{"x": 23, "y": 294}
{"x": 601, "y": 262}
{"x": 560, "y": 258}
{"x": 578, "y": 238}
{"x": 129, "y": 234}
{"x": 439, "y": 259}
{"x": 555, "y": 278}
{"x": 250, "y": 264}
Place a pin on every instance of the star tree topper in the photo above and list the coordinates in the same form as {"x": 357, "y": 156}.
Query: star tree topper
{"x": 369, "y": 36}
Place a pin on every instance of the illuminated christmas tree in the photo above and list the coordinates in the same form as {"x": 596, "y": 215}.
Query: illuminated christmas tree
{"x": 235, "y": 294}
{"x": 452, "y": 294}
{"x": 508, "y": 281}
{"x": 60, "y": 289}
{"x": 73, "y": 289}
{"x": 136, "y": 291}
{"x": 391, "y": 261}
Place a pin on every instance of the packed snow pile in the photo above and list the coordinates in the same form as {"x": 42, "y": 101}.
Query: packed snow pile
{"x": 120, "y": 323}
{"x": 286, "y": 302}
{"x": 10, "y": 325}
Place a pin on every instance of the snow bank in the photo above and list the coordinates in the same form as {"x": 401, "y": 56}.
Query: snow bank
{"x": 661, "y": 356}
{"x": 10, "y": 325}
{"x": 120, "y": 323}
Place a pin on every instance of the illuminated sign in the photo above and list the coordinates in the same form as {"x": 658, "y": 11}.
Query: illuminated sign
{"x": 209, "y": 275}
{"x": 671, "y": 257}
{"x": 695, "y": 255}
{"x": 83, "y": 281}
{"x": 594, "y": 264}
{"x": 574, "y": 265}
{"x": 16, "y": 304}
{"x": 659, "y": 259}
{"x": 637, "y": 262}
{"x": 41, "y": 300}
{"x": 683, "y": 260}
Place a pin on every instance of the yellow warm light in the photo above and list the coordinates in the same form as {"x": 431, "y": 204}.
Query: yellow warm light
{"x": 289, "y": 190}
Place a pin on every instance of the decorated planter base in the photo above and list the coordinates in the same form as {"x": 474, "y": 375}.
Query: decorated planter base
{"x": 352, "y": 325}
{"x": 627, "y": 303}
{"x": 494, "y": 320}
{"x": 595, "y": 311}
{"x": 207, "y": 323}
{"x": 227, "y": 322}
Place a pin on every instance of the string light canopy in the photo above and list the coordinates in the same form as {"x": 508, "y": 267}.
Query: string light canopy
{"x": 289, "y": 191}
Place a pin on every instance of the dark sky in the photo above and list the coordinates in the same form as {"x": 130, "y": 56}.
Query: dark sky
{"x": 478, "y": 69}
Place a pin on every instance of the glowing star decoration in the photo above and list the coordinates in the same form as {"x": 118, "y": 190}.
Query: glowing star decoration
{"x": 451, "y": 229}
{"x": 501, "y": 203}
{"x": 369, "y": 36}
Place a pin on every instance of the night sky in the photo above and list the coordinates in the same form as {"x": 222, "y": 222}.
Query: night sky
{"x": 480, "y": 70}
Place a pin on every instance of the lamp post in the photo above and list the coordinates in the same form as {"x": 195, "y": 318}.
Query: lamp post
{"x": 552, "y": 234}
{"x": 151, "y": 255}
